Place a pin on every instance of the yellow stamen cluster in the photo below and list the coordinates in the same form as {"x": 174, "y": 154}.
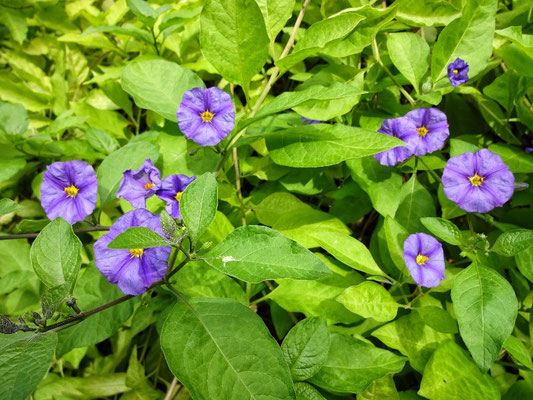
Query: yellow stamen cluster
{"x": 421, "y": 260}
{"x": 178, "y": 196}
{"x": 476, "y": 180}
{"x": 149, "y": 186}
{"x": 422, "y": 131}
{"x": 207, "y": 116}
{"x": 71, "y": 191}
{"x": 136, "y": 253}
{"x": 455, "y": 71}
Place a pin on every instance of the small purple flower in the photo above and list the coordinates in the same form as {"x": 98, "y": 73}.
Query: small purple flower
{"x": 137, "y": 186}
{"x": 403, "y": 128}
{"x": 458, "y": 72}
{"x": 432, "y": 128}
{"x": 172, "y": 188}
{"x": 134, "y": 270}
{"x": 206, "y": 115}
{"x": 69, "y": 190}
{"x": 424, "y": 259}
{"x": 528, "y": 149}
{"x": 478, "y": 182}
{"x": 308, "y": 121}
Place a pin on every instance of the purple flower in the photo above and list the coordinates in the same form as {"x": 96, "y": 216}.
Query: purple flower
{"x": 308, "y": 121}
{"x": 424, "y": 259}
{"x": 458, "y": 72}
{"x": 528, "y": 149}
{"x": 137, "y": 186}
{"x": 172, "y": 188}
{"x": 403, "y": 128}
{"x": 478, "y": 182}
{"x": 206, "y": 115}
{"x": 69, "y": 190}
{"x": 134, "y": 270}
{"x": 432, "y": 130}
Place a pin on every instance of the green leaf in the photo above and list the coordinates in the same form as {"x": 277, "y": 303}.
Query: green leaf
{"x": 515, "y": 158}
{"x": 511, "y": 243}
{"x": 126, "y": 29}
{"x": 517, "y": 349}
{"x": 319, "y": 35}
{"x": 93, "y": 290}
{"x": 13, "y": 119}
{"x": 451, "y": 374}
{"x": 382, "y": 388}
{"x": 198, "y": 205}
{"x": 317, "y": 298}
{"x": 110, "y": 172}
{"x": 257, "y": 253}
{"x": 100, "y": 140}
{"x": 382, "y": 184}
{"x": 411, "y": 337}
{"x": 437, "y": 318}
{"x": 321, "y": 145}
{"x": 486, "y": 308}
{"x": 410, "y": 54}
{"x": 138, "y": 237}
{"x": 373, "y": 19}
{"x": 416, "y": 202}
{"x": 55, "y": 254}
{"x": 158, "y": 85}
{"x": 234, "y": 39}
{"x": 143, "y": 11}
{"x": 369, "y": 300}
{"x": 168, "y": 225}
{"x": 8, "y": 206}
{"x": 197, "y": 279}
{"x": 427, "y": 12}
{"x": 348, "y": 250}
{"x": 468, "y": 37}
{"x": 24, "y": 362}
{"x": 16, "y": 22}
{"x": 352, "y": 365}
{"x": 233, "y": 352}
{"x": 276, "y": 13}
{"x": 443, "y": 229}
{"x": 524, "y": 262}
{"x": 315, "y": 97}
{"x": 395, "y": 235}
{"x": 305, "y": 391}
{"x": 306, "y": 347}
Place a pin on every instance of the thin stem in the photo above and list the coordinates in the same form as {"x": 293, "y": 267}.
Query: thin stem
{"x": 85, "y": 314}
{"x": 155, "y": 42}
{"x": 171, "y": 389}
{"x": 34, "y": 235}
{"x": 180, "y": 265}
{"x": 380, "y": 62}
{"x": 470, "y": 224}
{"x": 433, "y": 173}
{"x": 238, "y": 185}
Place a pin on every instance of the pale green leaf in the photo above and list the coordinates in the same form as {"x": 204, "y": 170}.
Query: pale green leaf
{"x": 511, "y": 243}
{"x": 410, "y": 55}
{"x": 138, "y": 237}
{"x": 443, "y": 229}
{"x": 369, "y": 300}
{"x": 276, "y": 13}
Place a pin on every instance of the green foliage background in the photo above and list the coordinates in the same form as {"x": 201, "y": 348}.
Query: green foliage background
{"x": 317, "y": 302}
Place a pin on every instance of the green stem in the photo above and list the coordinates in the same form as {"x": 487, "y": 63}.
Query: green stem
{"x": 470, "y": 224}
{"x": 375, "y": 50}
{"x": 34, "y": 235}
{"x": 433, "y": 173}
{"x": 155, "y": 41}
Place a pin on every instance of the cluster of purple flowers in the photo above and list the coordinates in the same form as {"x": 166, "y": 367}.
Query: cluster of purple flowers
{"x": 137, "y": 186}
{"x": 69, "y": 190}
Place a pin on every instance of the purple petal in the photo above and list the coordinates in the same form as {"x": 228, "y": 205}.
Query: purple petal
{"x": 431, "y": 272}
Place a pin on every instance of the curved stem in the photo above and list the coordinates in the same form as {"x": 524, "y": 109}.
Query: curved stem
{"x": 375, "y": 50}
{"x": 433, "y": 173}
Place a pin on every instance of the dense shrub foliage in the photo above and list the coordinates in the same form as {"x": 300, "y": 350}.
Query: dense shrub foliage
{"x": 266, "y": 199}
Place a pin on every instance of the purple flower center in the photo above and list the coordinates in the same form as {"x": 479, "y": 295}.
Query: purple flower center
{"x": 421, "y": 260}
{"x": 422, "y": 131}
{"x": 138, "y": 253}
{"x": 178, "y": 196}
{"x": 207, "y": 116}
{"x": 149, "y": 185}
{"x": 455, "y": 71}
{"x": 71, "y": 191}
{"x": 476, "y": 180}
